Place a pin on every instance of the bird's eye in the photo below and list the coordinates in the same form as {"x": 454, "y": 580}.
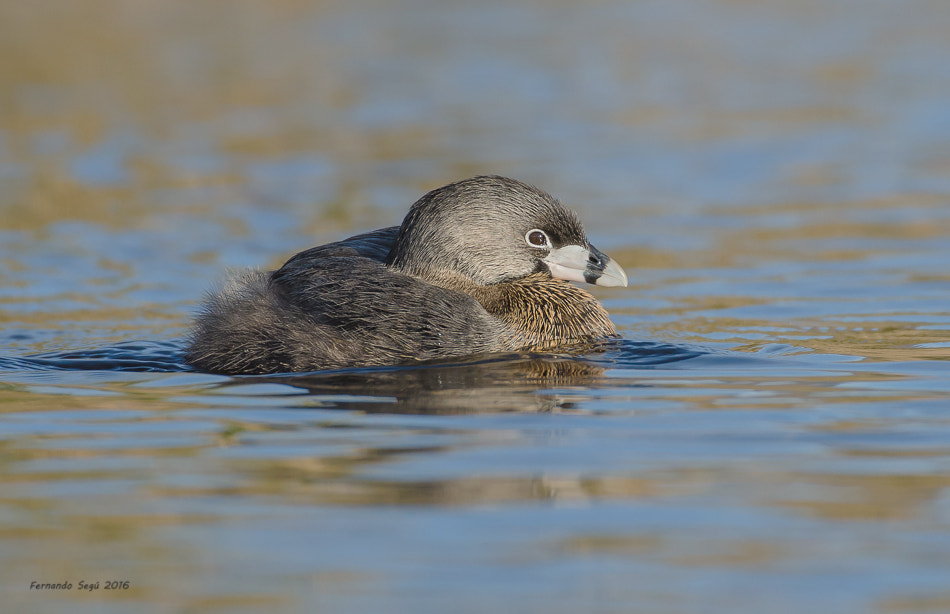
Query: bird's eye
{"x": 537, "y": 238}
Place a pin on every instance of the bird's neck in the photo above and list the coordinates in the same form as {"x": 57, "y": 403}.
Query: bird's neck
{"x": 546, "y": 313}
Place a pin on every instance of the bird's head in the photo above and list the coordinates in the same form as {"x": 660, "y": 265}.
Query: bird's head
{"x": 492, "y": 229}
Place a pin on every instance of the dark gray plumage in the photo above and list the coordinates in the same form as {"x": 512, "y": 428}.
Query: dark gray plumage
{"x": 473, "y": 268}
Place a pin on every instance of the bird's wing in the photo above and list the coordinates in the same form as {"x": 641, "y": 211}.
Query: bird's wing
{"x": 336, "y": 306}
{"x": 373, "y": 245}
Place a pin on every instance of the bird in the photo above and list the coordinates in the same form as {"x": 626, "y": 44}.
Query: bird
{"x": 478, "y": 266}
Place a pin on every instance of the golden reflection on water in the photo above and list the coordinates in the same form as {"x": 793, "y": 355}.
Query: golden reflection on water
{"x": 870, "y": 497}
{"x": 333, "y": 463}
{"x": 132, "y": 70}
{"x": 305, "y": 482}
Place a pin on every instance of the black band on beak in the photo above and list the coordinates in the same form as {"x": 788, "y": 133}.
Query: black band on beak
{"x": 596, "y": 262}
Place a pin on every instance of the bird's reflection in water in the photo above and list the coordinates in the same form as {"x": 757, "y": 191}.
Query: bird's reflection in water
{"x": 481, "y": 384}
{"x": 487, "y": 384}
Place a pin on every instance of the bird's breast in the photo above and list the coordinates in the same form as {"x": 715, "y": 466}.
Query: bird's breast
{"x": 546, "y": 313}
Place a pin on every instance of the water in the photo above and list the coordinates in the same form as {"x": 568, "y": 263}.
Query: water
{"x": 772, "y": 433}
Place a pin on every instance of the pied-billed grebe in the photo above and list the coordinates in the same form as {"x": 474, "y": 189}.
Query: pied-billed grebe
{"x": 477, "y": 266}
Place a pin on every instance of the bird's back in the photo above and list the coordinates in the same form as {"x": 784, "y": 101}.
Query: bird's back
{"x": 335, "y": 306}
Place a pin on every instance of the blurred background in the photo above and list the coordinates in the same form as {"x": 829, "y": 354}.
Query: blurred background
{"x": 152, "y": 144}
{"x": 773, "y": 175}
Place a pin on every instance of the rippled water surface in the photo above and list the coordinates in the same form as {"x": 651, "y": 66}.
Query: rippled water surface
{"x": 772, "y": 433}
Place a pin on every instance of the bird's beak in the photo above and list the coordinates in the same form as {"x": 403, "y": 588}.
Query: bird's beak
{"x": 587, "y": 264}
